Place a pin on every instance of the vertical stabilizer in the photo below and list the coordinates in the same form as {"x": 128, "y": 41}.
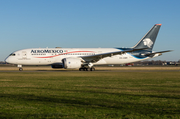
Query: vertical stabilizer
{"x": 149, "y": 39}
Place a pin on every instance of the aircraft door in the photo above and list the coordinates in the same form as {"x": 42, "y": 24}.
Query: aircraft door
{"x": 24, "y": 54}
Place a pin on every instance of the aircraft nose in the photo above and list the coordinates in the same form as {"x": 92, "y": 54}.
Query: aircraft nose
{"x": 7, "y": 60}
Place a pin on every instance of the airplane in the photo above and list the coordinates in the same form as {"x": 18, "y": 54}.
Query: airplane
{"x": 84, "y": 59}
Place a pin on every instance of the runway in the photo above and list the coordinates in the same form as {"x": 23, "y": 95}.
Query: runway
{"x": 98, "y": 69}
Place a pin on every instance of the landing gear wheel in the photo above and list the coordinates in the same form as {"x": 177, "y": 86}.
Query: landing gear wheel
{"x": 92, "y": 69}
{"x": 87, "y": 69}
{"x": 80, "y": 69}
{"x": 20, "y": 69}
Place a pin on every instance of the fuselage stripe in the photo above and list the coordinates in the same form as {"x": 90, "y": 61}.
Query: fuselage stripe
{"x": 67, "y": 53}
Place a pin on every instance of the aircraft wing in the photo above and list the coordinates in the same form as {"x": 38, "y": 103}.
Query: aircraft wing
{"x": 160, "y": 52}
{"x": 97, "y": 57}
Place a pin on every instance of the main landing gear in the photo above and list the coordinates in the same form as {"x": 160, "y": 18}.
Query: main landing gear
{"x": 86, "y": 69}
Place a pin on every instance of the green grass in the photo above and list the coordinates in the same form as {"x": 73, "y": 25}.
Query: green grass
{"x": 90, "y": 95}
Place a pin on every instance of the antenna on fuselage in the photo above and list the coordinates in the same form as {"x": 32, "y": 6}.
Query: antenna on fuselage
{"x": 57, "y": 47}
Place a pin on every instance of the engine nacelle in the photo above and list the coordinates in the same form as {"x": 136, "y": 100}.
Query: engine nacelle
{"x": 57, "y": 65}
{"x": 71, "y": 63}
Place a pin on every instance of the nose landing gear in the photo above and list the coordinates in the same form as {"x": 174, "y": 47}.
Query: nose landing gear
{"x": 20, "y": 67}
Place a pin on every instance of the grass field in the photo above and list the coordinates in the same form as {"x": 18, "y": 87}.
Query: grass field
{"x": 66, "y": 94}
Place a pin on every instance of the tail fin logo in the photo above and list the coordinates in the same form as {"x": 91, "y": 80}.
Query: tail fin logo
{"x": 148, "y": 42}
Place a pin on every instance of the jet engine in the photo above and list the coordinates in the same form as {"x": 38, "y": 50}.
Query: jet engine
{"x": 71, "y": 63}
{"x": 57, "y": 65}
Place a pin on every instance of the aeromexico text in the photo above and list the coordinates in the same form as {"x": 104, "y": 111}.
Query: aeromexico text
{"x": 48, "y": 51}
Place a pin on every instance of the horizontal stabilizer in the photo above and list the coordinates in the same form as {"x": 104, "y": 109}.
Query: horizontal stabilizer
{"x": 149, "y": 54}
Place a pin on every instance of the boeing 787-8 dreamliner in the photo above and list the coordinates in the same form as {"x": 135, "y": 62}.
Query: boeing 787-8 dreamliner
{"x": 85, "y": 58}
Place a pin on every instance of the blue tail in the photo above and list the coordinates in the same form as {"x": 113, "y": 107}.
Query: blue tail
{"x": 149, "y": 39}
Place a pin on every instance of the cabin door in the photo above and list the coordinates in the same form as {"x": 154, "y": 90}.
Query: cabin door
{"x": 24, "y": 54}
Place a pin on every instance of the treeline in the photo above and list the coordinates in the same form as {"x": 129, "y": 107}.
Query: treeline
{"x": 156, "y": 62}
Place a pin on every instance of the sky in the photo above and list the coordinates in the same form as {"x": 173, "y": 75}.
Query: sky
{"x": 88, "y": 24}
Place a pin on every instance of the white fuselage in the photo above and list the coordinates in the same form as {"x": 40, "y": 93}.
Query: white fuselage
{"x": 85, "y": 58}
{"x": 48, "y": 56}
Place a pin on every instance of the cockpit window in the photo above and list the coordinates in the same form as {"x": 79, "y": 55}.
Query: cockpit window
{"x": 12, "y": 54}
